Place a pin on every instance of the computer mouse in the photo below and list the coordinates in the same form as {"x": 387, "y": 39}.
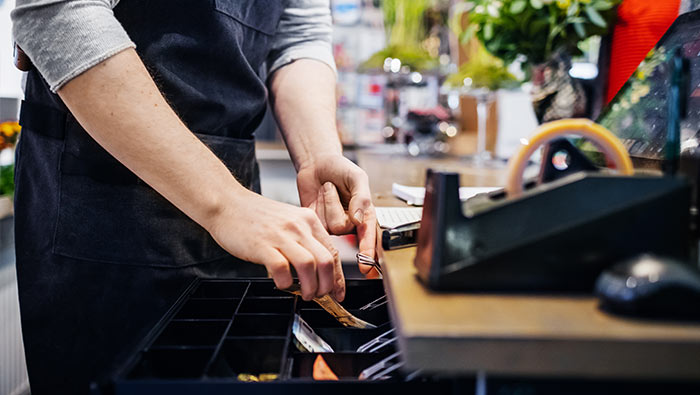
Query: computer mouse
{"x": 652, "y": 287}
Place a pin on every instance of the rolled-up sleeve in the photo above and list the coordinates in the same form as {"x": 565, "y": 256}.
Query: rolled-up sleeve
{"x": 305, "y": 31}
{"x": 64, "y": 38}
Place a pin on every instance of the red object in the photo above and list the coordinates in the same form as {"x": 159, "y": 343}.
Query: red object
{"x": 640, "y": 25}
{"x": 323, "y": 372}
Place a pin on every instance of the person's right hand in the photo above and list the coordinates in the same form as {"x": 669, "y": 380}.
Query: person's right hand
{"x": 274, "y": 234}
{"x": 244, "y": 223}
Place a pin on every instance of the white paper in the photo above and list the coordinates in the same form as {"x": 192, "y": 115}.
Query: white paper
{"x": 415, "y": 195}
{"x": 393, "y": 217}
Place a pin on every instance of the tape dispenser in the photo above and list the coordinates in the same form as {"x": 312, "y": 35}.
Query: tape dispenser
{"x": 557, "y": 233}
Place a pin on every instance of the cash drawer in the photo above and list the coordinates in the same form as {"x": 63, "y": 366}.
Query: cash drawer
{"x": 221, "y": 332}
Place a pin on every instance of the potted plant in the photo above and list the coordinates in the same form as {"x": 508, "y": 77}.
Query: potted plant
{"x": 404, "y": 23}
{"x": 542, "y": 35}
{"x": 477, "y": 82}
{"x": 483, "y": 70}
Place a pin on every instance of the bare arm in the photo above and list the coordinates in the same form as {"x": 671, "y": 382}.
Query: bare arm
{"x": 118, "y": 103}
{"x": 336, "y": 189}
{"x": 303, "y": 96}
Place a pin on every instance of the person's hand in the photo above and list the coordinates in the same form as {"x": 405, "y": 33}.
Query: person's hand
{"x": 338, "y": 191}
{"x": 274, "y": 234}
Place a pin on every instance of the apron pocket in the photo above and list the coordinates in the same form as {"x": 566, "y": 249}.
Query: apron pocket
{"x": 133, "y": 224}
{"x": 254, "y": 23}
{"x": 262, "y": 16}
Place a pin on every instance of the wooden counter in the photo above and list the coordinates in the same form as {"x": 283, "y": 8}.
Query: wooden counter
{"x": 384, "y": 169}
{"x": 553, "y": 336}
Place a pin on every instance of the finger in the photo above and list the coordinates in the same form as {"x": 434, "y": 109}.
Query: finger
{"x": 305, "y": 265}
{"x": 324, "y": 238}
{"x": 278, "y": 268}
{"x": 372, "y": 274}
{"x": 337, "y": 220}
{"x": 367, "y": 235}
{"x": 319, "y": 207}
{"x": 339, "y": 286}
{"x": 360, "y": 198}
{"x": 324, "y": 265}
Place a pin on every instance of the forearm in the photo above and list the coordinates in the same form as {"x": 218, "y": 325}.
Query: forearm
{"x": 335, "y": 188}
{"x": 303, "y": 98}
{"x": 120, "y": 106}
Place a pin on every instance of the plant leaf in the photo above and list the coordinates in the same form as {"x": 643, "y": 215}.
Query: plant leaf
{"x": 525, "y": 20}
{"x": 572, "y": 10}
{"x": 595, "y": 17}
{"x": 537, "y": 26}
{"x": 603, "y": 5}
{"x": 518, "y": 6}
{"x": 468, "y": 34}
{"x": 556, "y": 30}
{"x": 488, "y": 32}
{"x": 580, "y": 29}
{"x": 536, "y": 4}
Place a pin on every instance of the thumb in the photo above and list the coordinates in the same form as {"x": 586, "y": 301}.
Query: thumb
{"x": 359, "y": 211}
{"x": 357, "y": 185}
{"x": 360, "y": 204}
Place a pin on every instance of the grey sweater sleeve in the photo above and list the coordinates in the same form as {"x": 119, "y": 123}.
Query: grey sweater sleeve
{"x": 305, "y": 31}
{"x": 63, "y": 38}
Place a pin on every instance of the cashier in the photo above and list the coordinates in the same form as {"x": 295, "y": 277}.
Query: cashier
{"x": 136, "y": 169}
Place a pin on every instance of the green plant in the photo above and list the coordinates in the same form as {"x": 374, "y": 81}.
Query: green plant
{"x": 415, "y": 58}
{"x": 536, "y": 29}
{"x": 403, "y": 21}
{"x": 7, "y": 180}
{"x": 483, "y": 70}
{"x": 405, "y": 31}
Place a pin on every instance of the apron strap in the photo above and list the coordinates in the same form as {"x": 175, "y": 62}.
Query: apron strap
{"x": 42, "y": 119}
{"x": 116, "y": 174}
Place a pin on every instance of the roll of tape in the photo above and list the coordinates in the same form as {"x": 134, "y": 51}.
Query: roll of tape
{"x": 599, "y": 135}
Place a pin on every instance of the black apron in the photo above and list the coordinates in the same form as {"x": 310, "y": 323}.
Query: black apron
{"x": 100, "y": 255}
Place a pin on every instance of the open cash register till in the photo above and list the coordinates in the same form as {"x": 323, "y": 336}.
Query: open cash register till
{"x": 552, "y": 235}
{"x": 244, "y": 336}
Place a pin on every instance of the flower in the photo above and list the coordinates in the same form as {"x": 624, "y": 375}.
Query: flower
{"x": 7, "y": 129}
{"x": 493, "y": 10}
{"x": 8, "y": 133}
{"x": 563, "y": 4}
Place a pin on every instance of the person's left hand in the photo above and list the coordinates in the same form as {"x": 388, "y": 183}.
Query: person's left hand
{"x": 338, "y": 191}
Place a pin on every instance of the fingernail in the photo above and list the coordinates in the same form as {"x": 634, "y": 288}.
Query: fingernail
{"x": 328, "y": 187}
{"x": 359, "y": 216}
